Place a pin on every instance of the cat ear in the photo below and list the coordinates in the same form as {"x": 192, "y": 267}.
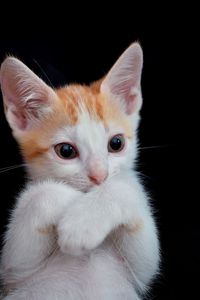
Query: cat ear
{"x": 123, "y": 80}
{"x": 26, "y": 97}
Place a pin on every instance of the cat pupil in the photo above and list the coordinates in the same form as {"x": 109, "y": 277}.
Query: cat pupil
{"x": 116, "y": 144}
{"x": 65, "y": 151}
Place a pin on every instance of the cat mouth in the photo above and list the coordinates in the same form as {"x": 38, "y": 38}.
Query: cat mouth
{"x": 80, "y": 184}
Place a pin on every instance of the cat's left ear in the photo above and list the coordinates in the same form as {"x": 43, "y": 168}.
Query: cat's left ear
{"x": 123, "y": 80}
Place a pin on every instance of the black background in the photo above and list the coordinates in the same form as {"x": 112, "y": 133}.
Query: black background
{"x": 71, "y": 51}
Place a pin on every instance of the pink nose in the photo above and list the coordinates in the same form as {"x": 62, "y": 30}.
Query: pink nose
{"x": 98, "y": 178}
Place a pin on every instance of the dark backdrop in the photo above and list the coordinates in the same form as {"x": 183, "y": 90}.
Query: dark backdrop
{"x": 67, "y": 53}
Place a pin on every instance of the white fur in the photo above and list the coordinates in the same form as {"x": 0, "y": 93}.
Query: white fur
{"x": 34, "y": 263}
{"x": 71, "y": 240}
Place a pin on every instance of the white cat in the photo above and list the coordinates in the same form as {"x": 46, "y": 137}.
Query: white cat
{"x": 82, "y": 228}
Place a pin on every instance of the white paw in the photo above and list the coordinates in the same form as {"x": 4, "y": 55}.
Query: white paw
{"x": 79, "y": 232}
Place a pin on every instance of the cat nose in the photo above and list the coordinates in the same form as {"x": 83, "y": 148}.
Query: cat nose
{"x": 98, "y": 177}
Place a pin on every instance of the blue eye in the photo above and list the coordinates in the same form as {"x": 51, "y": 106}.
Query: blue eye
{"x": 116, "y": 143}
{"x": 66, "y": 151}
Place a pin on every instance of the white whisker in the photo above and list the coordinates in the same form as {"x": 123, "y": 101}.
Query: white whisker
{"x": 6, "y": 169}
{"x": 154, "y": 147}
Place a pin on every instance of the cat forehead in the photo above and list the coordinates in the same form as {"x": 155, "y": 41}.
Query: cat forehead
{"x": 77, "y": 100}
{"x": 82, "y": 104}
{"x": 85, "y": 127}
{"x": 88, "y": 134}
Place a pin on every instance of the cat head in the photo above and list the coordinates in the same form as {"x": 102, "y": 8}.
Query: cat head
{"x": 82, "y": 135}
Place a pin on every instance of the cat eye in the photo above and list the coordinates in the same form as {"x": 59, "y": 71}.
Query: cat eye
{"x": 116, "y": 143}
{"x": 66, "y": 151}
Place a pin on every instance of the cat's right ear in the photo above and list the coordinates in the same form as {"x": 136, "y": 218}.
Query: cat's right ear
{"x": 122, "y": 83}
{"x": 26, "y": 97}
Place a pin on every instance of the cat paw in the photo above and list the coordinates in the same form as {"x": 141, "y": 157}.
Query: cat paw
{"x": 78, "y": 235}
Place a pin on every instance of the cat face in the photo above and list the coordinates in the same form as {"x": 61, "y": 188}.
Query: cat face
{"x": 82, "y": 135}
{"x": 84, "y": 148}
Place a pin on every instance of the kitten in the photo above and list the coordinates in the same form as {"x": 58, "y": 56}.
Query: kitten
{"x": 82, "y": 228}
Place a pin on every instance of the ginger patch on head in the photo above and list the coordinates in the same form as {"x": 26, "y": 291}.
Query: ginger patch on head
{"x": 76, "y": 99}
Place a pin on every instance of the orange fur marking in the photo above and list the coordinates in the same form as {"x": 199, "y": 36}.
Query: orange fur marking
{"x": 135, "y": 228}
{"x": 76, "y": 97}
{"x": 47, "y": 230}
{"x": 37, "y": 152}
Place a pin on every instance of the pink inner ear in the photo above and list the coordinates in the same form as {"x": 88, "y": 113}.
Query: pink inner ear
{"x": 17, "y": 118}
{"x": 131, "y": 104}
{"x": 127, "y": 92}
{"x": 21, "y": 120}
